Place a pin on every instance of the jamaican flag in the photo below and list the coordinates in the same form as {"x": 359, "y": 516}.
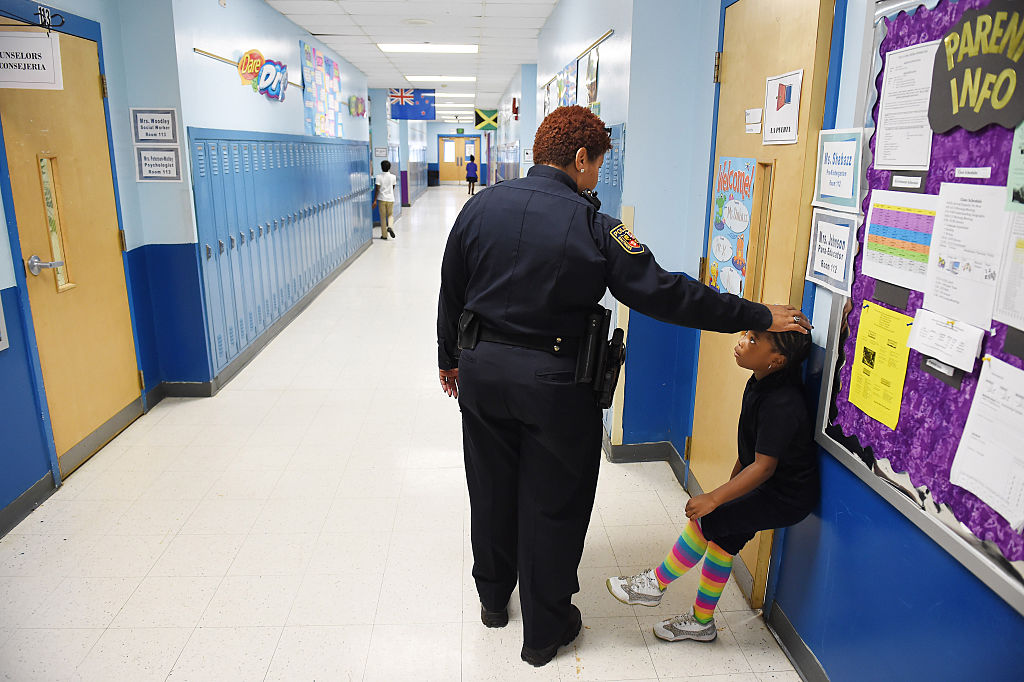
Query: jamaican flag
{"x": 486, "y": 119}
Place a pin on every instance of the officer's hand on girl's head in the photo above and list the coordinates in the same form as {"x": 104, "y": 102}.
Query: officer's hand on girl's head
{"x": 786, "y": 318}
{"x": 450, "y": 381}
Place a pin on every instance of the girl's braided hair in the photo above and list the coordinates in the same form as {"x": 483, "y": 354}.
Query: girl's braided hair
{"x": 795, "y": 346}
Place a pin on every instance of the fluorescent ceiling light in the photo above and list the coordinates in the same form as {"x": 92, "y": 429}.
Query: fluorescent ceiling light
{"x": 451, "y": 105}
{"x": 428, "y": 47}
{"x": 450, "y": 79}
{"x": 464, "y": 95}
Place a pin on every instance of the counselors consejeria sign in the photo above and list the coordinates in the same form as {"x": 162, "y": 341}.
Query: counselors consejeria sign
{"x": 977, "y": 77}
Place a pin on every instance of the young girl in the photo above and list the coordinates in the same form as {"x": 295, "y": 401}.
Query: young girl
{"x": 471, "y": 173}
{"x": 773, "y": 484}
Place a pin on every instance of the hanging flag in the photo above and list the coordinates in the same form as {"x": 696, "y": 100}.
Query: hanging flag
{"x": 412, "y": 104}
{"x": 486, "y": 119}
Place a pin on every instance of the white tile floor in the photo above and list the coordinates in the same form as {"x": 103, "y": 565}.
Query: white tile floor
{"x": 310, "y": 523}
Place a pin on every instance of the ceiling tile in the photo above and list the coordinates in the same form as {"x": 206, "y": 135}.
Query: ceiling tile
{"x": 306, "y": 6}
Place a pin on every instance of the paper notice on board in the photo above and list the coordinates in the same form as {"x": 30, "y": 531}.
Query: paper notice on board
{"x": 880, "y": 363}
{"x": 989, "y": 461}
{"x": 970, "y": 224}
{"x": 898, "y": 237}
{"x": 952, "y": 342}
{"x": 1015, "y": 172}
{"x": 904, "y": 137}
{"x": 1009, "y": 307}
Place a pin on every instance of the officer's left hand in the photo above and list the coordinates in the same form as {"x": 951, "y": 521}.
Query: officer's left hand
{"x": 450, "y": 381}
{"x": 700, "y": 506}
{"x": 786, "y": 318}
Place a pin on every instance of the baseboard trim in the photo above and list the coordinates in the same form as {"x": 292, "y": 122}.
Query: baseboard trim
{"x": 803, "y": 659}
{"x": 206, "y": 389}
{"x": 661, "y": 451}
{"x": 90, "y": 445}
{"x": 24, "y": 504}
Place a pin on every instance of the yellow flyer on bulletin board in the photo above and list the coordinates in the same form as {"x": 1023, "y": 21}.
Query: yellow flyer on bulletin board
{"x": 880, "y": 363}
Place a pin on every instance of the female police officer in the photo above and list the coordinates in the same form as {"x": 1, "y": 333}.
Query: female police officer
{"x": 529, "y": 259}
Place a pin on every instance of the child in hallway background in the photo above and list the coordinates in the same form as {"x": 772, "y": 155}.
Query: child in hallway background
{"x": 471, "y": 174}
{"x": 774, "y": 484}
{"x": 384, "y": 187}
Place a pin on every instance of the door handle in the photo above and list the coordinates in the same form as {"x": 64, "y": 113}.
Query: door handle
{"x": 35, "y": 266}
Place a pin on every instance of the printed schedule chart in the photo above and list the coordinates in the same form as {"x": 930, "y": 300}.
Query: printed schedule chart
{"x": 898, "y": 236}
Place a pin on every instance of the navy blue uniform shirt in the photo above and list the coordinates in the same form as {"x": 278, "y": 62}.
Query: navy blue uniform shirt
{"x": 532, "y": 256}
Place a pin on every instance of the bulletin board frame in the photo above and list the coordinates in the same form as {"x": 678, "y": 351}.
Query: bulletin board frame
{"x": 937, "y": 521}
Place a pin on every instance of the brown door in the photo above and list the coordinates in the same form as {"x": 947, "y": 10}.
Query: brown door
{"x": 64, "y": 205}
{"x": 789, "y": 35}
{"x": 451, "y": 157}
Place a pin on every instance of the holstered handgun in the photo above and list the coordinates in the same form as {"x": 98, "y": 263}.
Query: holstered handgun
{"x": 469, "y": 330}
{"x": 600, "y": 359}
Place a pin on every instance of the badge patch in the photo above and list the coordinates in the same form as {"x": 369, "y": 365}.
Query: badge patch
{"x": 626, "y": 240}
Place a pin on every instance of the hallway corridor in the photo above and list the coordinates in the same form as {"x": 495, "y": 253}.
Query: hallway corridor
{"x": 310, "y": 522}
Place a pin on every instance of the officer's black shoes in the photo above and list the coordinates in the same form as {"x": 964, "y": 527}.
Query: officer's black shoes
{"x": 539, "y": 657}
{"x": 494, "y": 619}
{"x": 391, "y": 232}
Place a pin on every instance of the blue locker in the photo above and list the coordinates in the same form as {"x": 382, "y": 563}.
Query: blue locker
{"x": 235, "y": 192}
{"x": 282, "y": 224}
{"x": 208, "y": 257}
{"x": 264, "y": 221}
{"x": 233, "y": 313}
{"x": 253, "y": 241}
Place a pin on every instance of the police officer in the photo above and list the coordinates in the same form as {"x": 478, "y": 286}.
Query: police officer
{"x": 526, "y": 263}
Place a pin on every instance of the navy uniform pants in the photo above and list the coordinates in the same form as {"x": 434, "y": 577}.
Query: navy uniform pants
{"x": 532, "y": 442}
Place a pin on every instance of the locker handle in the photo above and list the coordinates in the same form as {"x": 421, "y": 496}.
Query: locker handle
{"x": 252, "y": 234}
{"x": 221, "y": 242}
{"x": 209, "y": 252}
{"x": 261, "y": 230}
{"x": 231, "y": 237}
{"x": 241, "y": 238}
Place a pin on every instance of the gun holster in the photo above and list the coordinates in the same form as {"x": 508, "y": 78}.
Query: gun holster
{"x": 469, "y": 330}
{"x": 600, "y": 359}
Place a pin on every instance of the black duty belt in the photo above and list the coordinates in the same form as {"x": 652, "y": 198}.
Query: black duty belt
{"x": 556, "y": 345}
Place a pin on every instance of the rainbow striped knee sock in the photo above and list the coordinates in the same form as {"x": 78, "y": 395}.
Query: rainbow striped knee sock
{"x": 713, "y": 576}
{"x": 683, "y": 556}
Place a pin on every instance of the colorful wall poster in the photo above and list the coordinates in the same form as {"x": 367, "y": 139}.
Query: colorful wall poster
{"x": 830, "y": 257}
{"x": 322, "y": 101}
{"x": 730, "y": 234}
{"x": 782, "y": 108}
{"x": 567, "y": 91}
{"x": 837, "y": 182}
{"x": 590, "y": 63}
{"x": 898, "y": 237}
{"x": 880, "y": 363}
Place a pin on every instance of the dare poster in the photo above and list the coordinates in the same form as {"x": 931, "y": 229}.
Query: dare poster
{"x": 730, "y": 231}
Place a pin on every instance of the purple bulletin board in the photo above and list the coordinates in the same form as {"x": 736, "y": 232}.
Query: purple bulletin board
{"x": 932, "y": 415}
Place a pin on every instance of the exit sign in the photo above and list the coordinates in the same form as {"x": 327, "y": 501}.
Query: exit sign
{"x": 459, "y": 131}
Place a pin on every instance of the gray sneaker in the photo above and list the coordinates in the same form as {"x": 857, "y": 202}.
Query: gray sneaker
{"x": 685, "y": 626}
{"x": 637, "y": 590}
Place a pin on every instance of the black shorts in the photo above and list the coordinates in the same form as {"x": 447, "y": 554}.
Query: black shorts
{"x": 471, "y": 178}
{"x": 734, "y": 524}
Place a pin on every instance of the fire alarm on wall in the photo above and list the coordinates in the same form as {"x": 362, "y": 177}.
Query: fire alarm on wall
{"x": 515, "y": 108}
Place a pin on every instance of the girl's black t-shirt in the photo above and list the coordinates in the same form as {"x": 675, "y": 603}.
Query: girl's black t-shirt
{"x": 774, "y": 422}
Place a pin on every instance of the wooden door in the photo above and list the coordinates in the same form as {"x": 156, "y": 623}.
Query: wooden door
{"x": 763, "y": 38}
{"x": 63, "y": 193}
{"x": 451, "y": 157}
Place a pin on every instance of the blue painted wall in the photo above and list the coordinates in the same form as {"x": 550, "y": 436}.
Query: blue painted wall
{"x": 23, "y": 458}
{"x": 876, "y": 599}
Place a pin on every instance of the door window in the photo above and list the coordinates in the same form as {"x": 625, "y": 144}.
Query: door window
{"x": 449, "y": 151}
{"x": 47, "y": 170}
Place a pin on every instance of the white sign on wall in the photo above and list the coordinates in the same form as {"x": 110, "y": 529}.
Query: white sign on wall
{"x": 157, "y": 164}
{"x": 30, "y": 61}
{"x": 380, "y": 152}
{"x": 154, "y": 126}
{"x": 782, "y": 108}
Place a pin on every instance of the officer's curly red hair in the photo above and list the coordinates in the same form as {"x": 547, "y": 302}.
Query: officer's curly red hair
{"x": 564, "y": 131}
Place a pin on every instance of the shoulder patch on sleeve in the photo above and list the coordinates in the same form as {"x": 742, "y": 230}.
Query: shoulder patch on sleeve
{"x": 626, "y": 240}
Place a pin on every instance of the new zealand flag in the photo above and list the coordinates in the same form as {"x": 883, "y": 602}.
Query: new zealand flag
{"x": 411, "y": 104}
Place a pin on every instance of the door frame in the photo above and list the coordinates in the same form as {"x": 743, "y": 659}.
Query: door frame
{"x": 88, "y": 29}
{"x": 440, "y": 150}
{"x": 832, "y": 87}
